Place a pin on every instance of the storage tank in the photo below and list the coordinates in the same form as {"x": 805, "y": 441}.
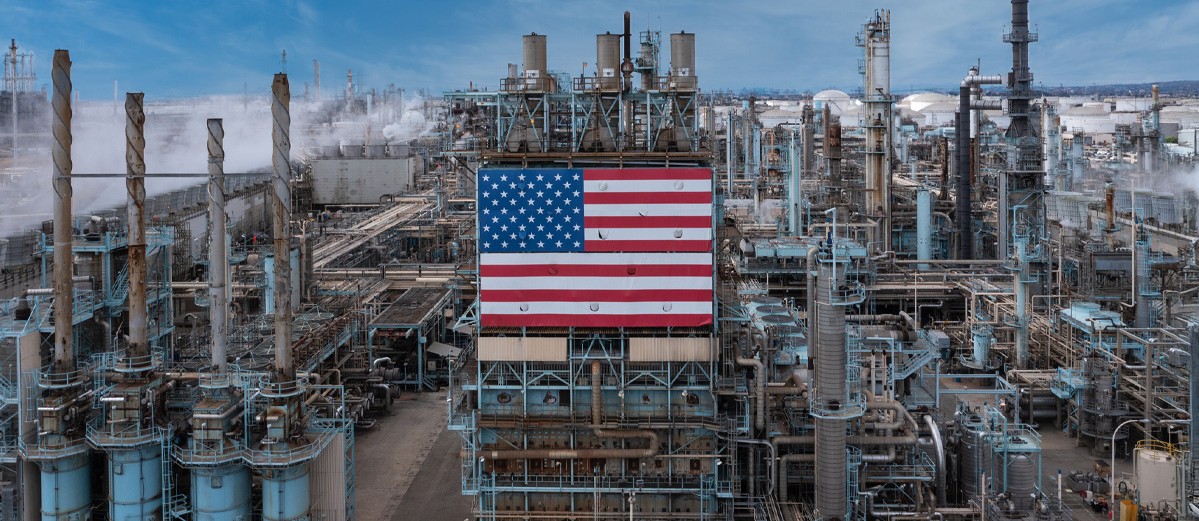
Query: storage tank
{"x": 1157, "y": 475}
{"x": 534, "y": 58}
{"x": 971, "y": 453}
{"x": 1021, "y": 481}
{"x": 682, "y": 60}
{"x": 607, "y": 61}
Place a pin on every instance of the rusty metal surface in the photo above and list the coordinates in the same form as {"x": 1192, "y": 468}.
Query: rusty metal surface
{"x": 135, "y": 183}
{"x": 64, "y": 352}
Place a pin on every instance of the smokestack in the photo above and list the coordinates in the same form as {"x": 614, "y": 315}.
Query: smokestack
{"x": 316, "y": 78}
{"x": 626, "y": 68}
{"x": 135, "y": 183}
{"x": 281, "y": 217}
{"x": 1109, "y": 207}
{"x": 218, "y": 261}
{"x": 64, "y": 298}
{"x": 962, "y": 204}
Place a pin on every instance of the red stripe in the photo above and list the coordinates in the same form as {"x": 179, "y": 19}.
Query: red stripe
{"x": 647, "y": 198}
{"x": 526, "y": 320}
{"x": 649, "y": 221}
{"x": 653, "y": 174}
{"x": 595, "y": 270}
{"x": 646, "y": 246}
{"x": 596, "y": 295}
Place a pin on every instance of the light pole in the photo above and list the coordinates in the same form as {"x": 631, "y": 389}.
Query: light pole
{"x": 1111, "y": 505}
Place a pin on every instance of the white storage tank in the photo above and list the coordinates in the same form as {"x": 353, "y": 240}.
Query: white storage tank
{"x": 1158, "y": 473}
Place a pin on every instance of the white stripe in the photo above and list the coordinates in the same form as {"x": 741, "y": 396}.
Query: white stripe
{"x": 648, "y": 234}
{"x": 603, "y": 308}
{"x": 590, "y": 283}
{"x": 508, "y": 259}
{"x": 607, "y": 210}
{"x": 635, "y": 186}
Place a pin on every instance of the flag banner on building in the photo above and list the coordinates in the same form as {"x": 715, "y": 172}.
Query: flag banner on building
{"x": 595, "y": 247}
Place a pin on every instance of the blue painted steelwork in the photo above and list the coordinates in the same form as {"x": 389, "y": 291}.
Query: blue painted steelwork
{"x": 66, "y": 488}
{"x": 135, "y": 483}
{"x": 285, "y": 493}
{"x": 221, "y": 493}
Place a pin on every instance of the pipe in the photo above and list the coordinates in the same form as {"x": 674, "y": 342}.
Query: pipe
{"x": 135, "y": 184}
{"x": 281, "y": 221}
{"x": 626, "y": 67}
{"x": 218, "y": 258}
{"x": 64, "y": 298}
{"x": 760, "y": 389}
{"x": 924, "y": 227}
{"x": 940, "y": 448}
{"x": 597, "y": 405}
{"x": 649, "y": 452}
{"x": 386, "y": 394}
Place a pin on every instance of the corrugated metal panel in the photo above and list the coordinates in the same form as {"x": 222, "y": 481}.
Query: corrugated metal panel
{"x": 515, "y": 349}
{"x": 672, "y": 349}
{"x": 359, "y": 181}
{"x": 328, "y": 489}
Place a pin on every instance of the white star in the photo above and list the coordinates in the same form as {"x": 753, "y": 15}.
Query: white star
{"x": 558, "y": 227}
{"x": 522, "y": 210}
{"x": 557, "y": 177}
{"x": 486, "y": 245}
{"x": 540, "y": 211}
{"x": 521, "y": 228}
{"x": 557, "y": 210}
{"x": 549, "y": 218}
{"x": 521, "y": 177}
{"x": 567, "y": 218}
{"x": 503, "y": 227}
{"x": 505, "y": 244}
{"x": 540, "y": 177}
{"x": 549, "y": 236}
{"x": 532, "y": 236}
{"x": 567, "y": 237}
{"x": 576, "y": 244}
{"x": 576, "y": 192}
{"x": 486, "y": 211}
{"x": 495, "y": 236}
{"x": 549, "y": 186}
{"x": 503, "y": 194}
{"x": 558, "y": 193}
{"x": 512, "y": 236}
{"x": 540, "y": 228}
{"x": 512, "y": 186}
{"x": 495, "y": 219}
{"x": 541, "y": 245}
{"x": 503, "y": 178}
{"x": 558, "y": 244}
{"x": 521, "y": 193}
{"x": 504, "y": 211}
{"x": 532, "y": 202}
{"x": 495, "y": 186}
{"x": 486, "y": 178}
{"x": 522, "y": 245}
{"x": 576, "y": 177}
{"x": 566, "y": 202}
{"x": 531, "y": 186}
{"x": 512, "y": 202}
{"x": 539, "y": 194}
{"x": 486, "y": 228}
{"x": 512, "y": 219}
{"x": 576, "y": 209}
{"x": 549, "y": 202}
{"x": 576, "y": 227}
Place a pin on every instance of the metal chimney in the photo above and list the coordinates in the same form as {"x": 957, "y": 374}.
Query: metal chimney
{"x": 281, "y": 220}
{"x": 218, "y": 261}
{"x": 135, "y": 183}
{"x": 64, "y": 298}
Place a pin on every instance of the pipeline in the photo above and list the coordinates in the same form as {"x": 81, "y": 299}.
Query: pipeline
{"x": 597, "y": 406}
{"x": 135, "y": 184}
{"x": 940, "y": 448}
{"x": 649, "y": 452}
{"x": 760, "y": 389}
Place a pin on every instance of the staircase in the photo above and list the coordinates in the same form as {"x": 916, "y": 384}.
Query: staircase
{"x": 916, "y": 358}
{"x": 174, "y": 506}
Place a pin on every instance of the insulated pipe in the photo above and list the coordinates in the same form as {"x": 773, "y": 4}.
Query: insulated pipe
{"x": 281, "y": 217}
{"x": 649, "y": 452}
{"x": 64, "y": 298}
{"x": 760, "y": 389}
{"x": 218, "y": 258}
{"x": 135, "y": 184}
{"x": 626, "y": 67}
{"x": 940, "y": 448}
{"x": 962, "y": 137}
{"x": 597, "y": 405}
{"x": 924, "y": 227}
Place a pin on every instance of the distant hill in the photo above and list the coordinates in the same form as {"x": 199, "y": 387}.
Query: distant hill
{"x": 1179, "y": 88}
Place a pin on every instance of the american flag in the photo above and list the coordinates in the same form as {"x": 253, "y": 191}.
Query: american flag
{"x": 595, "y": 247}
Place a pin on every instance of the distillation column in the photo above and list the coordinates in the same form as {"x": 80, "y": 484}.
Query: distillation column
{"x": 876, "y": 39}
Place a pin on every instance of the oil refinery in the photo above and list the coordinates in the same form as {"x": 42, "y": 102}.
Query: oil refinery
{"x": 601, "y": 295}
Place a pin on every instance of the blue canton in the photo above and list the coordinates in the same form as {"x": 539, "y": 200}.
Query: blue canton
{"x": 530, "y": 211}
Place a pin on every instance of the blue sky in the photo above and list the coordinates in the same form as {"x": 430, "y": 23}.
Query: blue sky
{"x": 185, "y": 48}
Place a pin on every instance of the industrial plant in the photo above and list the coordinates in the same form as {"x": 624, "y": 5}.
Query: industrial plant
{"x": 600, "y": 295}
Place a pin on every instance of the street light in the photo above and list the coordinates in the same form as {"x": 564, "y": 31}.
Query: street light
{"x": 1111, "y": 505}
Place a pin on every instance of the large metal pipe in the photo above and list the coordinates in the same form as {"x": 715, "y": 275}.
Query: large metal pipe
{"x": 924, "y": 227}
{"x": 964, "y": 163}
{"x": 218, "y": 258}
{"x": 597, "y": 404}
{"x": 135, "y": 184}
{"x": 939, "y": 447}
{"x": 64, "y": 298}
{"x": 281, "y": 221}
{"x": 759, "y": 389}
{"x": 626, "y": 67}
{"x": 650, "y": 451}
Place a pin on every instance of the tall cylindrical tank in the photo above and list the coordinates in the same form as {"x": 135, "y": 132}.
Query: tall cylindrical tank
{"x": 607, "y": 60}
{"x": 285, "y": 493}
{"x": 66, "y": 488}
{"x": 971, "y": 455}
{"x": 982, "y": 335}
{"x": 1156, "y": 477}
{"x": 1021, "y": 480}
{"x": 534, "y": 55}
{"x": 135, "y": 481}
{"x": 924, "y": 226}
{"x": 221, "y": 493}
{"x": 682, "y": 60}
